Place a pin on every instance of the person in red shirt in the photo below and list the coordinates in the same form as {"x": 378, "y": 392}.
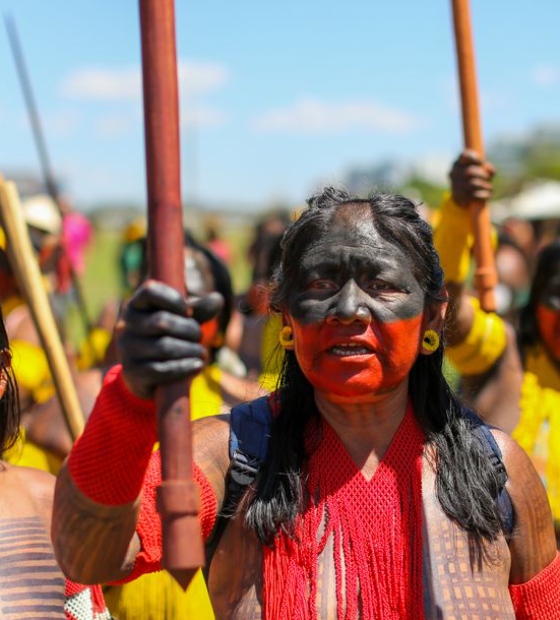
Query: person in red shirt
{"x": 376, "y": 496}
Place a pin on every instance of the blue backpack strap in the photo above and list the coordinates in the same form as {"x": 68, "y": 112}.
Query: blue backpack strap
{"x": 248, "y": 439}
{"x": 492, "y": 450}
{"x": 248, "y": 445}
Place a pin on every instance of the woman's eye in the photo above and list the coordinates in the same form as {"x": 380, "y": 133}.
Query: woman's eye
{"x": 379, "y": 285}
{"x": 322, "y": 285}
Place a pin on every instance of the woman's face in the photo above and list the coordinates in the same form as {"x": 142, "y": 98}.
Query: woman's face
{"x": 200, "y": 282}
{"x": 356, "y": 311}
{"x": 548, "y": 317}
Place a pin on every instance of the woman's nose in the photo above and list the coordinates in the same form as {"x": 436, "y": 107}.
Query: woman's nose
{"x": 349, "y": 306}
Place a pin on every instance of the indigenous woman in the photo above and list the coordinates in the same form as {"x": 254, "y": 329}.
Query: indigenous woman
{"x": 375, "y": 497}
{"x": 31, "y": 582}
{"x": 512, "y": 378}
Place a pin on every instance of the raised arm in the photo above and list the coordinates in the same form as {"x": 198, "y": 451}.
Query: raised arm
{"x": 471, "y": 179}
{"x": 98, "y": 497}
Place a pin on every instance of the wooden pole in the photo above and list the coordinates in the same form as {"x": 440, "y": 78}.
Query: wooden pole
{"x": 30, "y": 281}
{"x": 178, "y": 501}
{"x": 485, "y": 276}
{"x": 50, "y": 183}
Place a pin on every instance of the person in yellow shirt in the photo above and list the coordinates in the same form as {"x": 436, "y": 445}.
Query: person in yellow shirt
{"x": 512, "y": 377}
{"x": 28, "y": 358}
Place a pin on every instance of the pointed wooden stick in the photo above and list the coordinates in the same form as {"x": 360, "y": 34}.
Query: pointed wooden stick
{"x": 50, "y": 183}
{"x": 485, "y": 276}
{"x": 28, "y": 275}
{"x": 178, "y": 494}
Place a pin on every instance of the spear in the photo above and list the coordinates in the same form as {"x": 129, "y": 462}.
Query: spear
{"x": 178, "y": 501}
{"x": 30, "y": 281}
{"x": 485, "y": 276}
{"x": 40, "y": 142}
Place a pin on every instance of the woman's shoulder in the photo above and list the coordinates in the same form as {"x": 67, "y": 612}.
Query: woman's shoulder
{"x": 533, "y": 543}
{"x": 25, "y": 490}
{"x": 211, "y": 444}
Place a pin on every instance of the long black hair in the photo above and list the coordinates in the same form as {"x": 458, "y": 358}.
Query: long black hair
{"x": 10, "y": 412}
{"x": 548, "y": 265}
{"x": 466, "y": 482}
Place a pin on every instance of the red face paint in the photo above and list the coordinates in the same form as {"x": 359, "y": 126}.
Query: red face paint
{"x": 209, "y": 332}
{"x": 357, "y": 359}
{"x": 548, "y": 321}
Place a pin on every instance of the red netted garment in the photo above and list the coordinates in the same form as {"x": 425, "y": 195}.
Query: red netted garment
{"x": 375, "y": 527}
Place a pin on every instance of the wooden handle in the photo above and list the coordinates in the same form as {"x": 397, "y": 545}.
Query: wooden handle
{"x": 485, "y": 277}
{"x": 30, "y": 281}
{"x": 183, "y": 549}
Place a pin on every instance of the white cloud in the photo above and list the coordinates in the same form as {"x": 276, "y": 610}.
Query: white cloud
{"x": 124, "y": 83}
{"x": 201, "y": 77}
{"x": 201, "y": 117}
{"x": 546, "y": 75}
{"x": 311, "y": 116}
{"x": 60, "y": 124}
{"x": 114, "y": 125}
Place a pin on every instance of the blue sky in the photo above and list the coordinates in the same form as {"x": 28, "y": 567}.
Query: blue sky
{"x": 276, "y": 98}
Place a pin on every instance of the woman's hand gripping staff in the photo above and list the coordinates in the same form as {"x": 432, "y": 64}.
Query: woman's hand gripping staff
{"x": 159, "y": 342}
{"x": 159, "y": 336}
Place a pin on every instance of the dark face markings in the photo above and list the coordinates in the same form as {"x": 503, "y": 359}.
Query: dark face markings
{"x": 550, "y": 295}
{"x": 31, "y": 584}
{"x": 356, "y": 310}
{"x": 355, "y": 265}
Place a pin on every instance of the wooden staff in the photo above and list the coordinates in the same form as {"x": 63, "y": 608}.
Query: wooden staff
{"x": 178, "y": 501}
{"x": 30, "y": 281}
{"x": 50, "y": 183}
{"x": 485, "y": 277}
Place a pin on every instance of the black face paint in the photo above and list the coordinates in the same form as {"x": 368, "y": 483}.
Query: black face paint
{"x": 356, "y": 311}
{"x": 351, "y": 266}
{"x": 550, "y": 295}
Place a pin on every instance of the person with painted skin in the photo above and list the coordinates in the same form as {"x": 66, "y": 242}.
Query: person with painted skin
{"x": 31, "y": 582}
{"x": 511, "y": 377}
{"x": 375, "y": 499}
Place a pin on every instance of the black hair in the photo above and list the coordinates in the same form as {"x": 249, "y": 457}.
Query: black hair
{"x": 547, "y": 266}
{"x": 466, "y": 482}
{"x": 10, "y": 411}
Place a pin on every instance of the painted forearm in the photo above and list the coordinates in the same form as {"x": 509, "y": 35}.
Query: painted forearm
{"x": 93, "y": 543}
{"x": 97, "y": 495}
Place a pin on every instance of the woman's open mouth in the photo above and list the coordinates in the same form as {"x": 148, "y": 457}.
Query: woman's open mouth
{"x": 351, "y": 349}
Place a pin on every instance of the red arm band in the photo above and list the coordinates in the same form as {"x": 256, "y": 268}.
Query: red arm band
{"x": 148, "y": 529}
{"x": 539, "y": 598}
{"x": 109, "y": 460}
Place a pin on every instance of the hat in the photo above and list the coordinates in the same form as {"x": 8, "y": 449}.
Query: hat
{"x": 42, "y": 213}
